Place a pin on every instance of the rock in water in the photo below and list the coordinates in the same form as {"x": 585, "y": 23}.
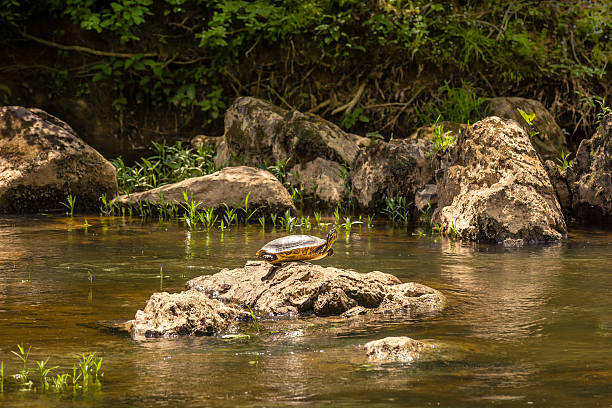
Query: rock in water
{"x": 188, "y": 313}
{"x": 229, "y": 185}
{"x": 590, "y": 177}
{"x": 42, "y": 161}
{"x": 298, "y": 288}
{"x": 402, "y": 349}
{"x": 493, "y": 188}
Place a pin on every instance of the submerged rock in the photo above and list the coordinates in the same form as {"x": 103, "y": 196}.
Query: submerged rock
{"x": 298, "y": 288}
{"x": 188, "y": 313}
{"x": 256, "y": 130}
{"x": 550, "y": 141}
{"x": 494, "y": 188}
{"x": 42, "y": 161}
{"x": 398, "y": 168}
{"x": 229, "y": 185}
{"x": 402, "y": 349}
{"x": 590, "y": 177}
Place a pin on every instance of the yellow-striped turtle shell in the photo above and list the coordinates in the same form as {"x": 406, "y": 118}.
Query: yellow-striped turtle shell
{"x": 298, "y": 248}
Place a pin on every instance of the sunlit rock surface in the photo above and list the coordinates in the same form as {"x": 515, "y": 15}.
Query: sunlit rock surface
{"x": 42, "y": 161}
{"x": 229, "y": 185}
{"x": 214, "y": 304}
{"x": 299, "y": 288}
{"x": 323, "y": 174}
{"x": 493, "y": 188}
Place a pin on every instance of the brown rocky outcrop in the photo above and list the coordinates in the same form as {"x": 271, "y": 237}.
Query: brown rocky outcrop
{"x": 550, "y": 141}
{"x": 229, "y": 185}
{"x": 214, "y": 304}
{"x": 325, "y": 175}
{"x": 493, "y": 188}
{"x": 256, "y": 130}
{"x": 42, "y": 161}
{"x": 298, "y": 288}
{"x": 590, "y": 177}
{"x": 397, "y": 168}
{"x": 402, "y": 349}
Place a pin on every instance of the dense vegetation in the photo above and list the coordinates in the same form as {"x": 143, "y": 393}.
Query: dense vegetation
{"x": 170, "y": 68}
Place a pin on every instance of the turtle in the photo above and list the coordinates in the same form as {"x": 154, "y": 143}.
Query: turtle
{"x": 298, "y": 248}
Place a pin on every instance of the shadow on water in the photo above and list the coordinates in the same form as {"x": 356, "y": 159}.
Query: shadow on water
{"x": 528, "y": 326}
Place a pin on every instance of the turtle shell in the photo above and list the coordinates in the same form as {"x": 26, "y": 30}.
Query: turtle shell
{"x": 305, "y": 243}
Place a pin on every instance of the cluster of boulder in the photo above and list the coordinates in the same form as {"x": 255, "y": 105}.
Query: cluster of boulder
{"x": 497, "y": 183}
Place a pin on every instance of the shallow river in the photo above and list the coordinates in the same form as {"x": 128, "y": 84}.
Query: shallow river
{"x": 523, "y": 327}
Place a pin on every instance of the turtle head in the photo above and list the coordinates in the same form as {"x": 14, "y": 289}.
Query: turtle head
{"x": 331, "y": 237}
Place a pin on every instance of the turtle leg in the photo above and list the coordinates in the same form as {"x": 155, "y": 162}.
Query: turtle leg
{"x": 268, "y": 257}
{"x": 330, "y": 252}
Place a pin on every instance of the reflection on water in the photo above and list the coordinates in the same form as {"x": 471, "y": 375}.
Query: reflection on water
{"x": 527, "y": 326}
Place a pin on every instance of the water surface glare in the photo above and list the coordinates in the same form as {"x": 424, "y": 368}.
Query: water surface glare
{"x": 523, "y": 327}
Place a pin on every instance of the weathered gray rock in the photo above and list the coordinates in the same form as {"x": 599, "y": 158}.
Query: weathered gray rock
{"x": 256, "y": 130}
{"x": 428, "y": 195}
{"x": 558, "y": 179}
{"x": 590, "y": 177}
{"x": 427, "y": 132}
{"x": 494, "y": 188}
{"x": 203, "y": 140}
{"x": 188, "y": 313}
{"x": 229, "y": 185}
{"x": 325, "y": 175}
{"x": 550, "y": 142}
{"x": 402, "y": 349}
{"x": 298, "y": 288}
{"x": 398, "y": 168}
{"x": 42, "y": 161}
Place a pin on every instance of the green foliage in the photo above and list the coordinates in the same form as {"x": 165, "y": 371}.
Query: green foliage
{"x": 69, "y": 204}
{"x": 396, "y": 209}
{"x": 169, "y": 165}
{"x": 529, "y": 118}
{"x": 441, "y": 140}
{"x": 563, "y": 162}
{"x": 460, "y": 105}
{"x": 353, "y": 117}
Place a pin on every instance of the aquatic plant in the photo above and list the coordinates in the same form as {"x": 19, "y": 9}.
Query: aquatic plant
{"x": 425, "y": 216}
{"x": 43, "y": 372}
{"x": 317, "y": 217}
{"x": 245, "y": 209}
{"x": 161, "y": 278}
{"x": 190, "y": 207}
{"x": 279, "y": 170}
{"x": 452, "y": 229}
{"x": 337, "y": 214}
{"x": 348, "y": 224}
{"x": 23, "y": 356}
{"x": 90, "y": 278}
{"x": 230, "y": 215}
{"x": 208, "y": 218}
{"x": 222, "y": 226}
{"x": 287, "y": 221}
{"x": 397, "y": 210}
{"x": 563, "y": 162}
{"x": 70, "y": 202}
{"x": 305, "y": 222}
{"x": 1, "y": 377}
{"x": 89, "y": 367}
{"x": 370, "y": 221}
{"x": 262, "y": 221}
{"x": 107, "y": 208}
{"x": 254, "y": 319}
{"x": 273, "y": 218}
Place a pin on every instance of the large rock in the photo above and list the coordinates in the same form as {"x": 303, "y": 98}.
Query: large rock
{"x": 256, "y": 131}
{"x": 402, "y": 349}
{"x": 42, "y": 161}
{"x": 494, "y": 188}
{"x": 550, "y": 141}
{"x": 298, "y": 288}
{"x": 397, "y": 168}
{"x": 590, "y": 177}
{"x": 188, "y": 313}
{"x": 229, "y": 185}
{"x": 325, "y": 175}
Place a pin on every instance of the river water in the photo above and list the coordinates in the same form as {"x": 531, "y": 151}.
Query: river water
{"x": 523, "y": 327}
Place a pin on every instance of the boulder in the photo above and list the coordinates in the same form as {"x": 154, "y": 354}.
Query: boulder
{"x": 325, "y": 175}
{"x": 550, "y": 141}
{"x": 427, "y": 132}
{"x": 402, "y": 349}
{"x": 428, "y": 195}
{"x": 298, "y": 288}
{"x": 493, "y": 188}
{"x": 397, "y": 168}
{"x": 42, "y": 161}
{"x": 188, "y": 313}
{"x": 558, "y": 179}
{"x": 256, "y": 130}
{"x": 203, "y": 140}
{"x": 590, "y": 177}
{"x": 229, "y": 185}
